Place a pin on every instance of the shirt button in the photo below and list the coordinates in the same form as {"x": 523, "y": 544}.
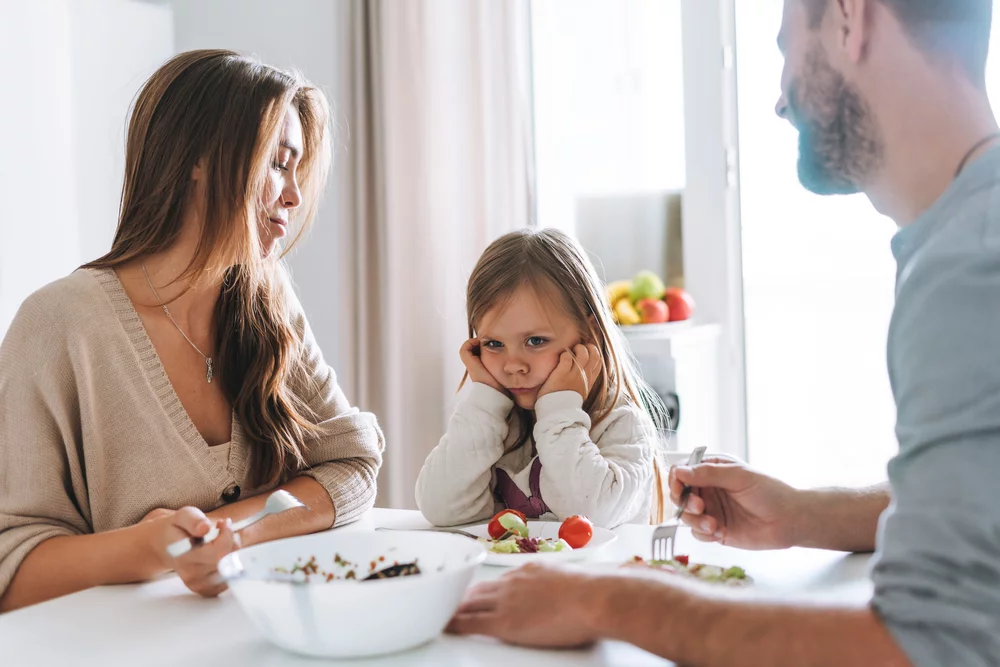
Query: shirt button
{"x": 232, "y": 494}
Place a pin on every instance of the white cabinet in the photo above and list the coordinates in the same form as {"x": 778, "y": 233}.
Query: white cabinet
{"x": 680, "y": 361}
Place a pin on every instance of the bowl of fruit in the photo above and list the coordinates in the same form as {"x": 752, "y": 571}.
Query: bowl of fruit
{"x": 646, "y": 300}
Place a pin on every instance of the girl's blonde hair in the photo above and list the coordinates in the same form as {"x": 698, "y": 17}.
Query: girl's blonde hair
{"x": 224, "y": 111}
{"x": 555, "y": 266}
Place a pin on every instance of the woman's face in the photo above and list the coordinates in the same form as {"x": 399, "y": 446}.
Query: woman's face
{"x": 281, "y": 190}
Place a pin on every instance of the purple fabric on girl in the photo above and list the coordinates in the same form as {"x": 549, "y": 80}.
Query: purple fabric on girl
{"x": 514, "y": 498}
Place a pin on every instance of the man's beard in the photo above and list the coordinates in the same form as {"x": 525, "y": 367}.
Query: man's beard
{"x": 839, "y": 143}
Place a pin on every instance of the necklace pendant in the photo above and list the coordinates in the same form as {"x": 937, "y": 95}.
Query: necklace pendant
{"x": 208, "y": 372}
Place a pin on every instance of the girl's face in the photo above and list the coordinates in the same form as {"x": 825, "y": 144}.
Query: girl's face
{"x": 281, "y": 191}
{"x": 520, "y": 343}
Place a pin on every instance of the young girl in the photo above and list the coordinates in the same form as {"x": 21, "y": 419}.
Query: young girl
{"x": 557, "y": 421}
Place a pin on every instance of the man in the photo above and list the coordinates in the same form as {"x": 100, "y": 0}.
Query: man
{"x": 889, "y": 99}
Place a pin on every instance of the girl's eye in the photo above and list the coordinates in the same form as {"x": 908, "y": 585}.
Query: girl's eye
{"x": 279, "y": 167}
{"x": 492, "y": 344}
{"x": 536, "y": 341}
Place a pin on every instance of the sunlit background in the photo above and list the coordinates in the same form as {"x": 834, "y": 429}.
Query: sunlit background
{"x": 611, "y": 119}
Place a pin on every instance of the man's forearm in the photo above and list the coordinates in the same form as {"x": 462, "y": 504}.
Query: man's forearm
{"x": 841, "y": 519}
{"x": 685, "y": 626}
{"x": 320, "y": 515}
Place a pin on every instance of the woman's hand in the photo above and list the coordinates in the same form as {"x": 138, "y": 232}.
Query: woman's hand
{"x": 577, "y": 371}
{"x": 156, "y": 514}
{"x": 198, "y": 568}
{"x": 474, "y": 364}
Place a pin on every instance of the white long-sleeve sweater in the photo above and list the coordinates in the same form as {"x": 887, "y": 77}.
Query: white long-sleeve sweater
{"x": 605, "y": 474}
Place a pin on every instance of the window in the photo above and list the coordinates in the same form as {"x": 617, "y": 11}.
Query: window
{"x": 818, "y": 292}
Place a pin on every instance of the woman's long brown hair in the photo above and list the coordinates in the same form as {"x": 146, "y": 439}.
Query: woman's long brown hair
{"x": 556, "y": 268}
{"x": 223, "y": 111}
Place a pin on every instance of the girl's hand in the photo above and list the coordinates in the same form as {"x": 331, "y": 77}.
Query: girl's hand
{"x": 577, "y": 371}
{"x": 198, "y": 568}
{"x": 474, "y": 364}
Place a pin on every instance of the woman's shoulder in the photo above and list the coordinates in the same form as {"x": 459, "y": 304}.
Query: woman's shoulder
{"x": 61, "y": 306}
{"x": 80, "y": 289}
{"x": 52, "y": 325}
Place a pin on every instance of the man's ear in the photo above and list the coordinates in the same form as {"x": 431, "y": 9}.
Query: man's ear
{"x": 853, "y": 26}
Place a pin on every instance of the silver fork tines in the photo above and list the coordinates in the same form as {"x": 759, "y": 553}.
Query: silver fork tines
{"x": 664, "y": 536}
{"x": 663, "y": 541}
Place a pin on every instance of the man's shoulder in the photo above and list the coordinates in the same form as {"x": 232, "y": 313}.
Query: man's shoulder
{"x": 964, "y": 244}
{"x": 970, "y": 223}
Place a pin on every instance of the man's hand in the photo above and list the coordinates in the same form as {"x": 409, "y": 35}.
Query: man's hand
{"x": 686, "y": 622}
{"x": 536, "y": 605}
{"x": 737, "y": 506}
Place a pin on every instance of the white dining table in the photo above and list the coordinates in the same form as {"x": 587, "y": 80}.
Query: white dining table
{"x": 161, "y": 623}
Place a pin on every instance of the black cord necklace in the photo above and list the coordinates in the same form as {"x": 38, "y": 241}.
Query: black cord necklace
{"x": 979, "y": 144}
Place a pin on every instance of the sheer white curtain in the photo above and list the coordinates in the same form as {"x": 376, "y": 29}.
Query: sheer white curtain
{"x": 436, "y": 161}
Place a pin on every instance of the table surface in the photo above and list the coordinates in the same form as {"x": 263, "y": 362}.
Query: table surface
{"x": 161, "y": 623}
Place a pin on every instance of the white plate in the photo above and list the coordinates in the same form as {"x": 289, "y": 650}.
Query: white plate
{"x": 602, "y": 538}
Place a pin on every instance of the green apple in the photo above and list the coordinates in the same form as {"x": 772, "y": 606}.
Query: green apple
{"x": 646, "y": 285}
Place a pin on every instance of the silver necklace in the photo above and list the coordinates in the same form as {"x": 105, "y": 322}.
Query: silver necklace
{"x": 208, "y": 360}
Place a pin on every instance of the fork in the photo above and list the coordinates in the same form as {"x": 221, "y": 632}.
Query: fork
{"x": 279, "y": 501}
{"x": 665, "y": 535}
{"x": 436, "y": 529}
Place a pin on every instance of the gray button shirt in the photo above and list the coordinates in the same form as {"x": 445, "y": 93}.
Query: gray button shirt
{"x": 937, "y": 571}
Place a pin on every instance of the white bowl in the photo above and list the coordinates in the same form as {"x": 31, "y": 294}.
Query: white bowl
{"x": 347, "y": 619}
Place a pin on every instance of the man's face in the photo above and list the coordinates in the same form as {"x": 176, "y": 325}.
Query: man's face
{"x": 839, "y": 144}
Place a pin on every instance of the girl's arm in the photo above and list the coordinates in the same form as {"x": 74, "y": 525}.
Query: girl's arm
{"x": 608, "y": 481}
{"x": 454, "y": 485}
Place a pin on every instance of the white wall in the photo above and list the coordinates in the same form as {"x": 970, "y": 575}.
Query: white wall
{"x": 38, "y": 238}
{"x": 116, "y": 46}
{"x": 300, "y": 34}
{"x": 67, "y": 70}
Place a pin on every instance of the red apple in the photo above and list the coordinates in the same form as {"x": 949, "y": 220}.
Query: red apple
{"x": 679, "y": 303}
{"x": 653, "y": 311}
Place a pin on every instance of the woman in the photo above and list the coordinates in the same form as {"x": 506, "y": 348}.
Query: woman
{"x": 163, "y": 389}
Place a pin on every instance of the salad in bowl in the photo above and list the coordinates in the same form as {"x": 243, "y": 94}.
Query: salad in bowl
{"x": 352, "y": 594}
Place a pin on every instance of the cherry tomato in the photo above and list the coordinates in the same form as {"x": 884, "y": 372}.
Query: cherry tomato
{"x": 683, "y": 560}
{"x": 577, "y": 531}
{"x": 495, "y": 529}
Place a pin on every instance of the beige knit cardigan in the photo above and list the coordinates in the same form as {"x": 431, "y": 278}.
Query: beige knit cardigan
{"x": 93, "y": 437}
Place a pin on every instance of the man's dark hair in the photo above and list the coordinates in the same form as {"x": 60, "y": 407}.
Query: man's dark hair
{"x": 956, "y": 28}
